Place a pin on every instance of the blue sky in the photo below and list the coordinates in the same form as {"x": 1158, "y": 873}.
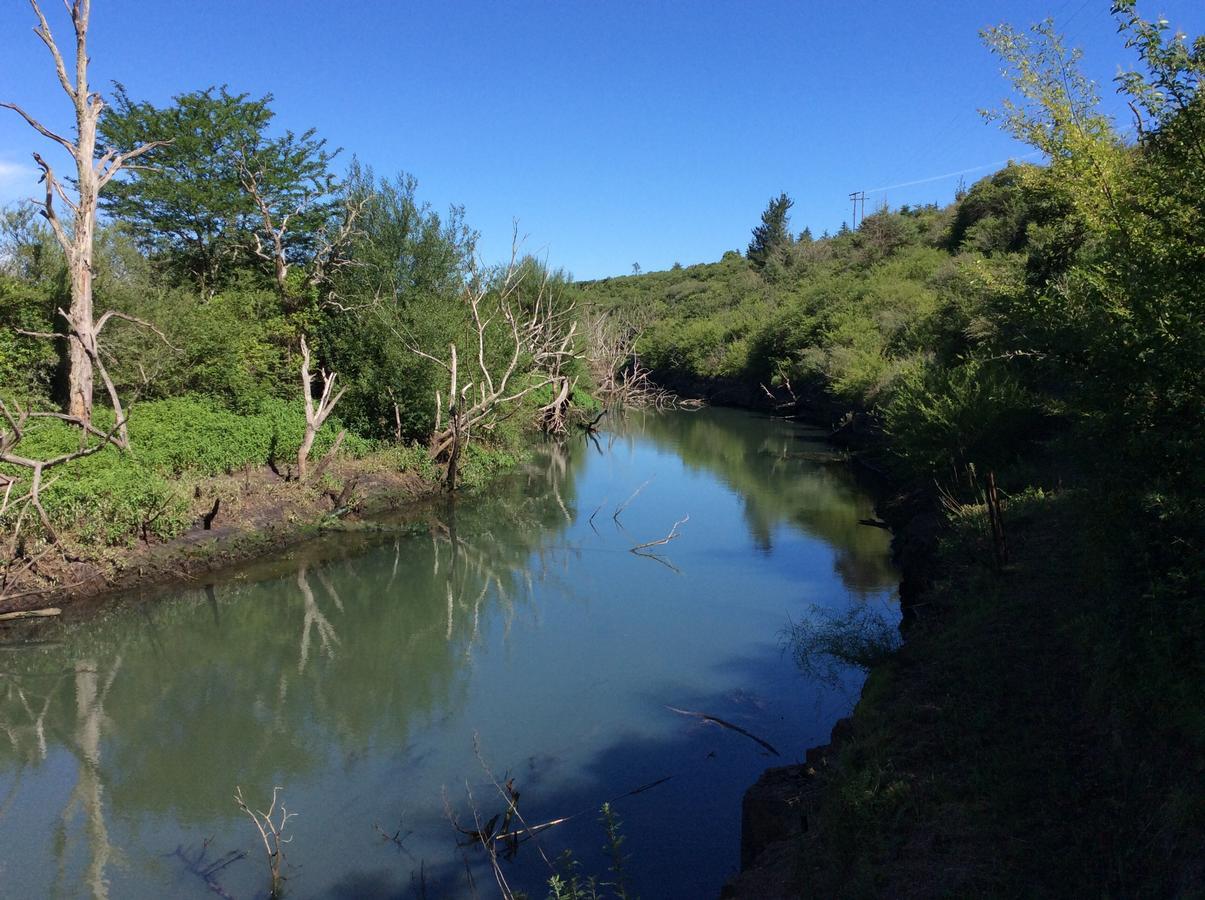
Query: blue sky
{"x": 616, "y": 132}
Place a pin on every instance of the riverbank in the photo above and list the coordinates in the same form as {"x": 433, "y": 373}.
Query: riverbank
{"x": 255, "y": 513}
{"x": 1019, "y": 741}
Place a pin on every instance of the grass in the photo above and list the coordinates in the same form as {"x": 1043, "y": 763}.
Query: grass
{"x": 113, "y": 498}
{"x": 825, "y": 642}
{"x": 987, "y": 761}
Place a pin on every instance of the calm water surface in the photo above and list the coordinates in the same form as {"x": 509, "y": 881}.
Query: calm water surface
{"x": 361, "y": 674}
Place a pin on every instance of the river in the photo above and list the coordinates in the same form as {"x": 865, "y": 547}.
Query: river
{"x": 374, "y": 678}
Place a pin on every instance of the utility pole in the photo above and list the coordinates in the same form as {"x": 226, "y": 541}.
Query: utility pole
{"x": 855, "y": 198}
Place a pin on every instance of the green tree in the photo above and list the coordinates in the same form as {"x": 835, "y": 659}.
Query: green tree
{"x": 199, "y": 203}
{"x": 773, "y": 234}
{"x": 410, "y": 265}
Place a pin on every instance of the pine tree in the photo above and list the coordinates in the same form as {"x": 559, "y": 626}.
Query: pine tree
{"x": 773, "y": 233}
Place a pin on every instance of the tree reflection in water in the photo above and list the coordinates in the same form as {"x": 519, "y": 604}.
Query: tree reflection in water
{"x": 359, "y": 661}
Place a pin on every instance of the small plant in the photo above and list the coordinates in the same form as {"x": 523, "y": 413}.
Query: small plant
{"x": 271, "y": 831}
{"x": 568, "y": 883}
{"x": 826, "y": 642}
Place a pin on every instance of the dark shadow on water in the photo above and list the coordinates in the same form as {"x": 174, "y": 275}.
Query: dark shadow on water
{"x": 682, "y": 836}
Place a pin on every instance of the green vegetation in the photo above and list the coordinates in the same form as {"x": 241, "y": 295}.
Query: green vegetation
{"x": 113, "y": 497}
{"x": 569, "y": 884}
{"x": 181, "y": 314}
{"x": 1047, "y": 329}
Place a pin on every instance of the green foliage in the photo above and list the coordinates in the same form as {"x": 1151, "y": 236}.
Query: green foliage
{"x": 826, "y": 642}
{"x": 26, "y": 364}
{"x": 568, "y": 883}
{"x": 114, "y": 498}
{"x": 194, "y": 434}
{"x": 993, "y": 215}
{"x": 404, "y": 292}
{"x": 941, "y": 419}
{"x": 187, "y": 203}
{"x": 773, "y": 235}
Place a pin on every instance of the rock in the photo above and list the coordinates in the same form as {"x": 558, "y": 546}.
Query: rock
{"x": 772, "y": 811}
{"x": 773, "y": 821}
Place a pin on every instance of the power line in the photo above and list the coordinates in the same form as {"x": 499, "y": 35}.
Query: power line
{"x": 967, "y": 171}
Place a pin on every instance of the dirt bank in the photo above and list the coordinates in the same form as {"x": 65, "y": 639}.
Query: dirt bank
{"x": 257, "y": 514}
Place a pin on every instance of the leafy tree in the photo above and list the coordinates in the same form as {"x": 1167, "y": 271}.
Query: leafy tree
{"x": 773, "y": 234}
{"x": 410, "y": 269}
{"x": 190, "y": 206}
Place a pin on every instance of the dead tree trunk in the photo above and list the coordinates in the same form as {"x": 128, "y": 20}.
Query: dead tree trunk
{"x": 315, "y": 416}
{"x": 93, "y": 172}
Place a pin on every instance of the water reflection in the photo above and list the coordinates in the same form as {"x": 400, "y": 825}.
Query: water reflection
{"x": 356, "y": 671}
{"x": 785, "y": 474}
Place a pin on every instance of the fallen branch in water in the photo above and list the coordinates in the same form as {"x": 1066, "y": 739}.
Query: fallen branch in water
{"x": 716, "y": 720}
{"x": 875, "y": 523}
{"x": 207, "y": 871}
{"x": 619, "y": 509}
{"x": 656, "y": 557}
{"x": 597, "y": 511}
{"x": 531, "y": 831}
{"x": 673, "y": 533}
{"x": 397, "y": 838}
{"x": 591, "y": 427}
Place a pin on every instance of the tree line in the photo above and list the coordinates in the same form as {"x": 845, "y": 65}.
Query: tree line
{"x": 197, "y": 261}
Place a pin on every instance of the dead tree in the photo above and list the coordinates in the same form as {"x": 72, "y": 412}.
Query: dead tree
{"x": 540, "y": 341}
{"x": 316, "y": 416}
{"x": 13, "y": 432}
{"x": 93, "y": 171}
{"x": 271, "y": 828}
{"x": 331, "y": 243}
{"x": 620, "y": 378}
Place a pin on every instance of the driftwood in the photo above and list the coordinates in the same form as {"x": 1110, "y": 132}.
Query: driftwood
{"x": 31, "y": 614}
{"x": 673, "y": 533}
{"x": 619, "y": 509}
{"x": 530, "y": 831}
{"x": 716, "y": 720}
{"x": 340, "y": 501}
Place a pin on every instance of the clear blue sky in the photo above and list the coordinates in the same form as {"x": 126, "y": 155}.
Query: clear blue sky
{"x": 616, "y": 132}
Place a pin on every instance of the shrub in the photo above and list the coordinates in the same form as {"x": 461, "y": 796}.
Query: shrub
{"x": 975, "y": 413}
{"x": 826, "y": 642}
